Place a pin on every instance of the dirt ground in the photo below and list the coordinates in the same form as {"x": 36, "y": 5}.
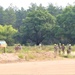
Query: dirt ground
{"x": 44, "y": 67}
{"x": 53, "y": 67}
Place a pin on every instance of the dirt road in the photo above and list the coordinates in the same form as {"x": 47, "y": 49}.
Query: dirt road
{"x": 55, "y": 67}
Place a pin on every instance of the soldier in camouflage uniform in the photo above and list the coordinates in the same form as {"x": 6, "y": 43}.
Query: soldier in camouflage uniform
{"x": 55, "y": 50}
{"x": 59, "y": 46}
{"x": 69, "y": 49}
{"x": 63, "y": 48}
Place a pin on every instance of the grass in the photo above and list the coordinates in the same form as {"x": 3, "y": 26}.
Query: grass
{"x": 25, "y": 49}
{"x": 21, "y": 56}
{"x": 36, "y": 53}
{"x": 68, "y": 56}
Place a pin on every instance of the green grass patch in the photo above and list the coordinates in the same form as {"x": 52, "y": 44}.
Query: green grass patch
{"x": 21, "y": 56}
{"x": 68, "y": 56}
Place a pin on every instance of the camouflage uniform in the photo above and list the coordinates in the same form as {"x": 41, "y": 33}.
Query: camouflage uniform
{"x": 69, "y": 49}
{"x": 63, "y": 48}
{"x": 59, "y": 46}
{"x": 55, "y": 50}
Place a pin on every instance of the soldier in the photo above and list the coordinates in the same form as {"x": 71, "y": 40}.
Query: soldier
{"x": 59, "y": 46}
{"x": 69, "y": 49}
{"x": 40, "y": 46}
{"x": 55, "y": 50}
{"x": 18, "y": 47}
{"x": 63, "y": 48}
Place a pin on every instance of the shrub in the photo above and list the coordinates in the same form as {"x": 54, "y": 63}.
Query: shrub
{"x": 21, "y": 56}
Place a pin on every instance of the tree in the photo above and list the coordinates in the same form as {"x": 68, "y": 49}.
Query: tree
{"x": 54, "y": 10}
{"x": 6, "y": 33}
{"x": 67, "y": 23}
{"x": 9, "y": 16}
{"x": 1, "y": 15}
{"x": 38, "y": 24}
{"x": 20, "y": 15}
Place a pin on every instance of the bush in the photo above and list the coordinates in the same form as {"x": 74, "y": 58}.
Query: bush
{"x": 21, "y": 56}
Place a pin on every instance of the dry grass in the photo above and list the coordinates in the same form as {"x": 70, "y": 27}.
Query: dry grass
{"x": 35, "y": 53}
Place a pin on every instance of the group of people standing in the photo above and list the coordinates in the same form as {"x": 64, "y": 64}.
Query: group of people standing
{"x": 60, "y": 48}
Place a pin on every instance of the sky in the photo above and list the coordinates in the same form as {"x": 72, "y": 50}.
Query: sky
{"x": 26, "y": 3}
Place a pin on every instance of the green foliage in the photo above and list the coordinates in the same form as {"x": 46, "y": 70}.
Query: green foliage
{"x": 9, "y": 16}
{"x": 67, "y": 24}
{"x": 20, "y": 55}
{"x": 54, "y": 10}
{"x": 1, "y": 15}
{"x": 38, "y": 24}
{"x": 7, "y": 32}
{"x": 20, "y": 16}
